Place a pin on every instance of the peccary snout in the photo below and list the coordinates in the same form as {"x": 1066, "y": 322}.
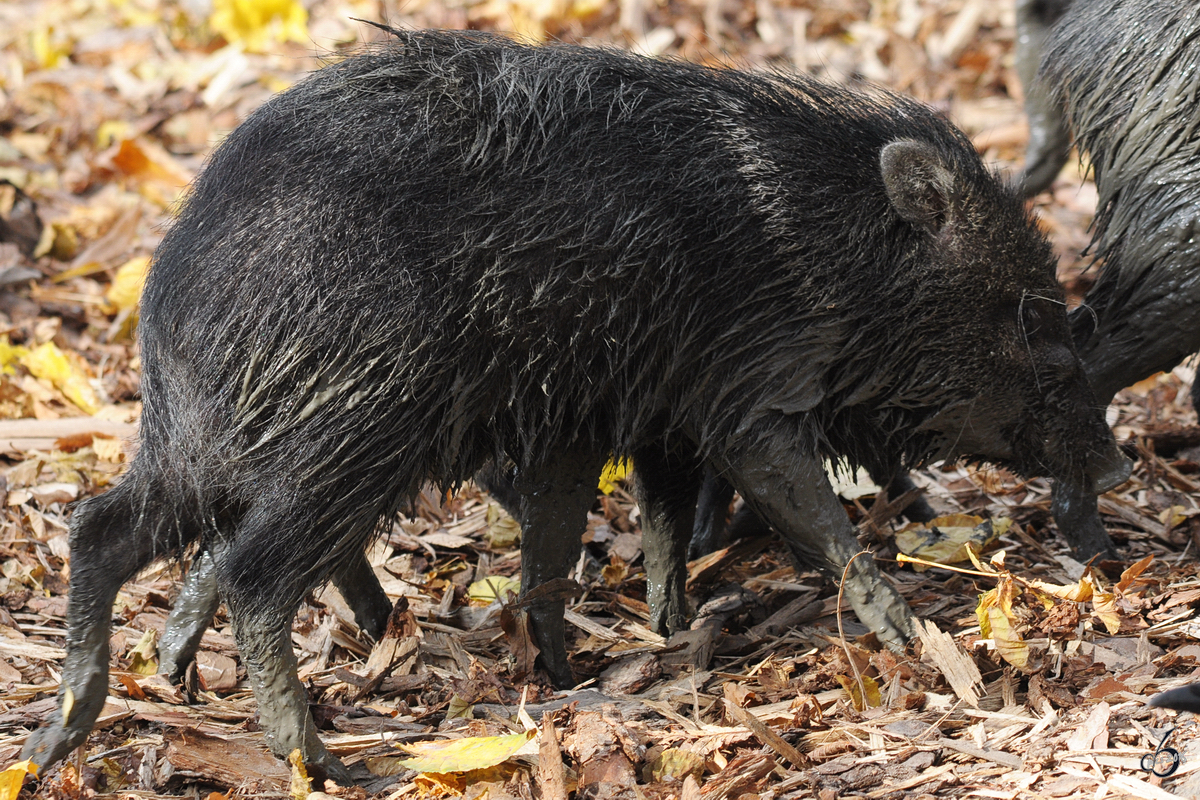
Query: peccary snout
{"x": 1108, "y": 469}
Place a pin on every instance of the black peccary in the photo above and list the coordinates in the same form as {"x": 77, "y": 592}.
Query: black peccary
{"x": 1128, "y": 74}
{"x": 453, "y": 248}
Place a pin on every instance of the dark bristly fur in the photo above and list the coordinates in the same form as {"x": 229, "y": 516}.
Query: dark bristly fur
{"x": 1128, "y": 74}
{"x": 453, "y": 248}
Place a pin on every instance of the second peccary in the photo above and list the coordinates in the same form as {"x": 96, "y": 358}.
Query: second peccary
{"x": 1128, "y": 74}
{"x": 453, "y": 249}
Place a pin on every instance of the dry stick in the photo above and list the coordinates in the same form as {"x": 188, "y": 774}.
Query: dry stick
{"x": 550, "y": 776}
{"x": 770, "y": 738}
{"x": 862, "y": 689}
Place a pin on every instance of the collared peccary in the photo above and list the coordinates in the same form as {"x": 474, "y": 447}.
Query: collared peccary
{"x": 453, "y": 248}
{"x": 1127, "y": 72}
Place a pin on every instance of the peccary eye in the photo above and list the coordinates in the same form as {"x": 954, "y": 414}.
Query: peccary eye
{"x": 1034, "y": 321}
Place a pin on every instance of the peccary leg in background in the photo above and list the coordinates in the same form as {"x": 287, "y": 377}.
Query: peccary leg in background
{"x": 667, "y": 487}
{"x": 355, "y": 580}
{"x": 106, "y": 551}
{"x": 1049, "y": 140}
{"x": 190, "y": 616}
{"x": 198, "y": 600}
{"x": 712, "y": 508}
{"x": 790, "y": 491}
{"x": 498, "y": 481}
{"x": 918, "y": 510}
{"x": 555, "y": 499}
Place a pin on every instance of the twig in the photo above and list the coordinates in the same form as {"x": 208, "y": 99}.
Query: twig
{"x": 862, "y": 689}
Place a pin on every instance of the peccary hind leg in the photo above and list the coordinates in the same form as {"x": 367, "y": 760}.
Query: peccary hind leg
{"x": 106, "y": 551}
{"x": 1049, "y": 139}
{"x": 555, "y": 499}
{"x": 198, "y": 600}
{"x": 262, "y": 581}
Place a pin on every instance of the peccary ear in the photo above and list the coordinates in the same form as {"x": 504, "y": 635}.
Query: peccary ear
{"x": 919, "y": 185}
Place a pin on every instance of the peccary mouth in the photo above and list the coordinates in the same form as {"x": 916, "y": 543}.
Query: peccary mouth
{"x": 1108, "y": 470}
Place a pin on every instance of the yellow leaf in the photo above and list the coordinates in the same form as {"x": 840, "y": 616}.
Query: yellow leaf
{"x": 1006, "y": 592}
{"x": 127, "y": 285}
{"x": 874, "y": 698}
{"x": 462, "y": 755}
{"x": 144, "y": 655}
{"x": 1008, "y": 641}
{"x": 502, "y": 531}
{"x": 10, "y": 354}
{"x": 1079, "y": 593}
{"x": 987, "y": 601}
{"x": 300, "y": 785}
{"x": 12, "y": 778}
{"x": 675, "y": 764}
{"x": 48, "y": 48}
{"x": 491, "y": 589}
{"x": 257, "y": 23}
{"x": 1104, "y": 607}
{"x": 68, "y": 705}
{"x": 614, "y": 472}
{"x": 1172, "y": 516}
{"x": 51, "y": 364}
{"x": 112, "y": 130}
{"x": 945, "y": 540}
{"x": 582, "y": 9}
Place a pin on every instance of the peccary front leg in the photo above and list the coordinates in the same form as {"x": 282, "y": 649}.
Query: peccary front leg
{"x": 106, "y": 551}
{"x": 790, "y": 491}
{"x": 667, "y": 487}
{"x": 555, "y": 499}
